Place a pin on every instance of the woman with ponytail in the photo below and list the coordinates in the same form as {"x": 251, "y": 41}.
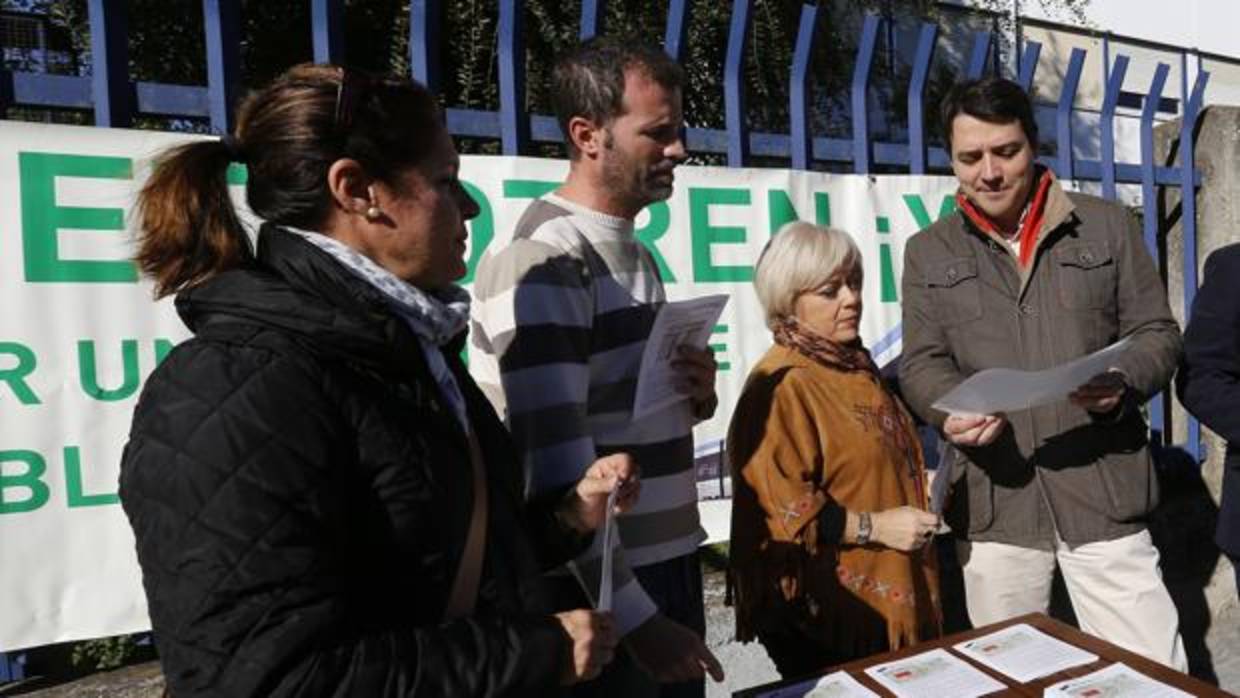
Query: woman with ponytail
{"x": 324, "y": 502}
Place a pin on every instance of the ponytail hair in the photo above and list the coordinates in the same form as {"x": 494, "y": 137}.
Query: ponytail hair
{"x": 189, "y": 227}
{"x": 288, "y": 134}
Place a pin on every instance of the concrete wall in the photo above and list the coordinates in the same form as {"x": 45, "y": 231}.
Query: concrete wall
{"x": 1217, "y": 153}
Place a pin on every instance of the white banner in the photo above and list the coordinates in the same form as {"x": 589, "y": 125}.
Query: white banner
{"x": 79, "y": 331}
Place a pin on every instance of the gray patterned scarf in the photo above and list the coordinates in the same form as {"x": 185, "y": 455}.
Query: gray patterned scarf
{"x": 435, "y": 317}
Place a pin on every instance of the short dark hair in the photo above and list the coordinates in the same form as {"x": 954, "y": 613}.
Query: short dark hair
{"x": 589, "y": 80}
{"x": 992, "y": 99}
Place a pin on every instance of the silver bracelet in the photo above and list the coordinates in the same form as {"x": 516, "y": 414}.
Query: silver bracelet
{"x": 865, "y": 527}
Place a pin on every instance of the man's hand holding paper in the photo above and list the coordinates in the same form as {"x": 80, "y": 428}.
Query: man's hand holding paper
{"x": 1089, "y": 381}
{"x": 1102, "y": 393}
{"x": 973, "y": 429}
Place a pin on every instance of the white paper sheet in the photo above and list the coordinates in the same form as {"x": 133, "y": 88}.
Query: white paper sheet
{"x": 836, "y": 685}
{"x": 933, "y": 674}
{"x": 1004, "y": 389}
{"x": 1024, "y": 653}
{"x": 609, "y": 525}
{"x": 1115, "y": 681}
{"x": 940, "y": 485}
{"x": 680, "y": 322}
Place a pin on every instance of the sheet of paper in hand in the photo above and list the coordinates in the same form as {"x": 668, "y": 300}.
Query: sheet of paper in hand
{"x": 609, "y": 526}
{"x": 680, "y": 322}
{"x": 997, "y": 390}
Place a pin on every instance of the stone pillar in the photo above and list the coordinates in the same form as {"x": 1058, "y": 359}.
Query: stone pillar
{"x": 1217, "y": 151}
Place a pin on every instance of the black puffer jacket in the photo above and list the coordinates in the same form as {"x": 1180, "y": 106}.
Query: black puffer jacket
{"x": 300, "y": 494}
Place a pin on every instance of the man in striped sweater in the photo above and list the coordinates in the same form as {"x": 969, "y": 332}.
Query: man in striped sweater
{"x": 562, "y": 314}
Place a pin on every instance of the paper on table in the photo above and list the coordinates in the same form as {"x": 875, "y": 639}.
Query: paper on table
{"x": 836, "y": 685}
{"x": 933, "y": 674}
{"x": 679, "y": 322}
{"x": 1115, "y": 681}
{"x": 1024, "y": 653}
{"x": 1004, "y": 389}
{"x": 609, "y": 523}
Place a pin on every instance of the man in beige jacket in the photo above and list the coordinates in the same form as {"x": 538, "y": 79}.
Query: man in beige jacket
{"x": 1027, "y": 276}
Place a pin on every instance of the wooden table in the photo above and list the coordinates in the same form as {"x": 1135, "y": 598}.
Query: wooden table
{"x": 1108, "y": 654}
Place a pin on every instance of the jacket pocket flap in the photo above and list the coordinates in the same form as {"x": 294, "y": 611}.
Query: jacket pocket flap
{"x": 950, "y": 272}
{"x": 1085, "y": 255}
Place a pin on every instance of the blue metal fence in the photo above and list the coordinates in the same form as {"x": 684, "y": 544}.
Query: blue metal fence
{"x": 116, "y": 100}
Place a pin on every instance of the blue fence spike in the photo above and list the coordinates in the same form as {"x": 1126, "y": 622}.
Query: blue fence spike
{"x": 424, "y": 33}
{"x": 1063, "y": 114}
{"x": 799, "y": 89}
{"x": 1148, "y": 195}
{"x": 1150, "y": 207}
{"x": 12, "y": 666}
{"x": 7, "y": 96}
{"x": 1188, "y": 191}
{"x": 327, "y": 26}
{"x": 860, "y": 91}
{"x": 982, "y": 42}
{"x": 860, "y": 85}
{"x": 916, "y": 95}
{"x": 677, "y": 28}
{"x": 1029, "y": 64}
{"x": 1106, "y": 56}
{"x": 734, "y": 85}
{"x": 592, "y": 12}
{"x": 514, "y": 121}
{"x": 110, "y": 87}
{"x": 222, "y": 24}
{"x": 1106, "y": 124}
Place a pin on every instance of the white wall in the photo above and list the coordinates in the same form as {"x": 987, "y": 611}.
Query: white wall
{"x": 1208, "y": 25}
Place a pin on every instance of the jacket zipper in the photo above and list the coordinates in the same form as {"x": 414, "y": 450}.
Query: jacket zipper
{"x": 1033, "y": 429}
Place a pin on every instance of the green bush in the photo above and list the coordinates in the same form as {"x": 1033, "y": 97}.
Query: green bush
{"x": 104, "y": 653}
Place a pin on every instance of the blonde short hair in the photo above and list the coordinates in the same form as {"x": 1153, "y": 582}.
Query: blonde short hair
{"x": 800, "y": 257}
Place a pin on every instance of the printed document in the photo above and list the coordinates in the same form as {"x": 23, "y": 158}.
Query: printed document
{"x": 609, "y": 526}
{"x": 1005, "y": 389}
{"x": 679, "y": 322}
{"x": 837, "y": 685}
{"x": 605, "y": 546}
{"x": 933, "y": 674}
{"x": 1115, "y": 681}
{"x": 1024, "y": 653}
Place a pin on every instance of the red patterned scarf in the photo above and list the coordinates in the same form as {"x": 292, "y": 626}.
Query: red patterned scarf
{"x": 842, "y": 357}
{"x": 1030, "y": 224}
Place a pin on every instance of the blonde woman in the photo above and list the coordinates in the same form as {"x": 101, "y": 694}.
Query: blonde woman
{"x": 828, "y": 554}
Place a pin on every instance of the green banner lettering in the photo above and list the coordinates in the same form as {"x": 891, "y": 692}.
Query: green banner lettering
{"x": 73, "y": 484}
{"x": 703, "y": 235}
{"x": 163, "y": 347}
{"x": 88, "y": 371}
{"x": 481, "y": 230}
{"x": 660, "y": 221}
{"x": 30, "y": 480}
{"x": 917, "y": 207}
{"x": 42, "y": 218}
{"x": 16, "y": 377}
{"x": 886, "y": 267}
{"x": 780, "y": 209}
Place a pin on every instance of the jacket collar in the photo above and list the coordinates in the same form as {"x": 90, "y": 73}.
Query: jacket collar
{"x": 1057, "y": 209}
{"x": 1048, "y": 207}
{"x": 298, "y": 288}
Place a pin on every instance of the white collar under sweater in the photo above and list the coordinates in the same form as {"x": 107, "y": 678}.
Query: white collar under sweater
{"x": 604, "y": 226}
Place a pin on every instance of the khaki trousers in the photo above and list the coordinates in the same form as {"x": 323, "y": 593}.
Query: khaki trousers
{"x": 1115, "y": 586}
